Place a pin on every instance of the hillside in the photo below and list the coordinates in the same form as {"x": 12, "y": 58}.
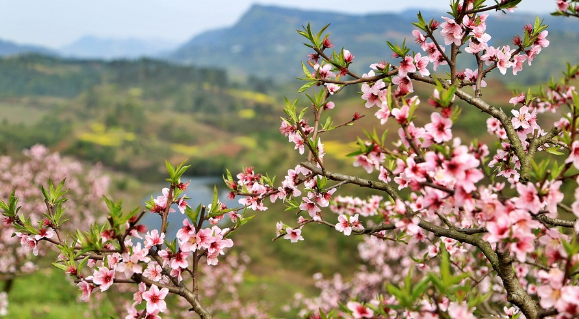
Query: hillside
{"x": 264, "y": 39}
{"x": 132, "y": 115}
{"x": 39, "y": 75}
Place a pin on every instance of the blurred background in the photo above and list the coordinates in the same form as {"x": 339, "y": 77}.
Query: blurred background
{"x": 134, "y": 83}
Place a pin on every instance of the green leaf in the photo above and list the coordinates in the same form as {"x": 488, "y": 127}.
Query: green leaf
{"x": 420, "y": 24}
{"x": 214, "y": 205}
{"x": 82, "y": 263}
{"x": 307, "y": 86}
{"x": 291, "y": 204}
{"x": 322, "y": 31}
{"x": 575, "y": 105}
{"x": 54, "y": 195}
{"x": 193, "y": 214}
{"x": 302, "y": 113}
{"x": 60, "y": 266}
{"x": 44, "y": 192}
{"x": 508, "y": 4}
{"x": 244, "y": 220}
{"x": 554, "y": 150}
{"x": 170, "y": 169}
{"x": 419, "y": 288}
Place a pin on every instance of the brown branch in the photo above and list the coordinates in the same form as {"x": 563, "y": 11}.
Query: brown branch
{"x": 501, "y": 262}
{"x": 166, "y": 212}
{"x": 554, "y": 221}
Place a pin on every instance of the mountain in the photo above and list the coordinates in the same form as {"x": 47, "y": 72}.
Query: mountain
{"x": 264, "y": 42}
{"x": 90, "y": 47}
{"x": 10, "y": 48}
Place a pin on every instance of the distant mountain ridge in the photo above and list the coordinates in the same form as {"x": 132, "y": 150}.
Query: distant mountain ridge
{"x": 91, "y": 47}
{"x": 264, "y": 41}
{"x": 8, "y": 48}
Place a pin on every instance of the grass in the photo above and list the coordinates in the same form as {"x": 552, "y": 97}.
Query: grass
{"x": 21, "y": 114}
{"x": 48, "y": 294}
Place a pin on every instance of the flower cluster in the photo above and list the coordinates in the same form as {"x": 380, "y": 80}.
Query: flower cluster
{"x": 444, "y": 199}
{"x": 24, "y": 177}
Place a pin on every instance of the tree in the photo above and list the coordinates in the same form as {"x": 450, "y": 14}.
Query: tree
{"x": 453, "y": 233}
{"x": 23, "y": 178}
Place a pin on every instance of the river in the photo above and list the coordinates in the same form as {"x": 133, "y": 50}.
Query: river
{"x": 200, "y": 191}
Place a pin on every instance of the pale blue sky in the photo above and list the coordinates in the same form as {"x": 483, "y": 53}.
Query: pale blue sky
{"x": 54, "y": 23}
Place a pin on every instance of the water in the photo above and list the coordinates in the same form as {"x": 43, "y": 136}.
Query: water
{"x": 200, "y": 191}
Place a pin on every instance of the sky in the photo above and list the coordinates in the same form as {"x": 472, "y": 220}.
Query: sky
{"x": 56, "y": 23}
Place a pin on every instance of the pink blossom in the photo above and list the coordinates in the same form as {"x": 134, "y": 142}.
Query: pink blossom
{"x": 439, "y": 128}
{"x": 490, "y": 55}
{"x": 475, "y": 45}
{"x": 451, "y": 31}
{"x": 311, "y": 208}
{"x": 133, "y": 313}
{"x": 184, "y": 232}
{"x": 323, "y": 72}
{"x": 401, "y": 114}
{"x": 156, "y": 299}
{"x": 153, "y": 239}
{"x": 460, "y": 311}
{"x": 520, "y": 98}
{"x": 332, "y": 88}
{"x": 364, "y": 162}
{"x": 162, "y": 201}
{"x": 568, "y": 305}
{"x": 472, "y": 76}
{"x": 404, "y": 84}
{"x": 522, "y": 118}
{"x": 420, "y": 39}
{"x": 517, "y": 63}
{"x": 153, "y": 272}
{"x": 44, "y": 233}
{"x": 528, "y": 198}
{"x": 542, "y": 39}
{"x": 182, "y": 204}
{"x": 179, "y": 260}
{"x": 204, "y": 238}
{"x": 383, "y": 113}
{"x": 348, "y": 56}
{"x": 406, "y": 66}
{"x": 503, "y": 60}
{"x": 138, "y": 295}
{"x": 384, "y": 175}
{"x": 562, "y": 5}
{"x": 152, "y": 315}
{"x": 373, "y": 95}
{"x": 28, "y": 243}
{"x": 410, "y": 225}
{"x": 294, "y": 235}
{"x": 359, "y": 310}
{"x": 130, "y": 264}
{"x": 104, "y": 278}
{"x": 86, "y": 290}
{"x": 574, "y": 154}
{"x": 498, "y": 229}
{"x": 314, "y": 57}
{"x": 343, "y": 225}
{"x": 421, "y": 63}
